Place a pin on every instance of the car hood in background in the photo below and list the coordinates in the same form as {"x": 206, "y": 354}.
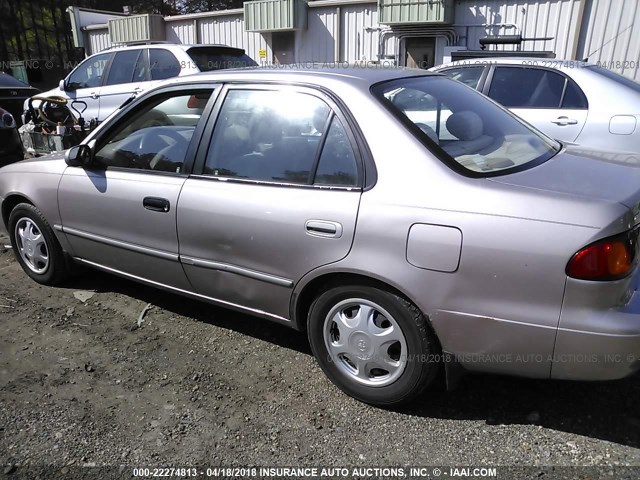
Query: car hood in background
{"x": 579, "y": 172}
{"x": 53, "y": 163}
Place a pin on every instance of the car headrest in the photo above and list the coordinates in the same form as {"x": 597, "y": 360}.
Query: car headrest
{"x": 269, "y": 129}
{"x": 236, "y": 134}
{"x": 430, "y": 132}
{"x": 320, "y": 119}
{"x": 465, "y": 125}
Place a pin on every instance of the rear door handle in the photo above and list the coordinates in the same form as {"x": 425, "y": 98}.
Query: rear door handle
{"x": 137, "y": 90}
{"x": 323, "y": 228}
{"x": 156, "y": 204}
{"x": 564, "y": 121}
{"x": 93, "y": 95}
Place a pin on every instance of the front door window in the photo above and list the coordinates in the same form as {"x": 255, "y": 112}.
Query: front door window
{"x": 157, "y": 136}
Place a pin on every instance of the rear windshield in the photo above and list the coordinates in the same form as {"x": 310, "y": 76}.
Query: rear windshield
{"x": 217, "y": 58}
{"x": 468, "y": 131}
{"x": 627, "y": 82}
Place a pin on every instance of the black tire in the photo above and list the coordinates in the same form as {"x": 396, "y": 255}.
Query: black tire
{"x": 57, "y": 268}
{"x": 423, "y": 359}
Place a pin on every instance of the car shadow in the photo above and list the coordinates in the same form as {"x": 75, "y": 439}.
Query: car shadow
{"x": 600, "y": 410}
{"x": 201, "y": 311}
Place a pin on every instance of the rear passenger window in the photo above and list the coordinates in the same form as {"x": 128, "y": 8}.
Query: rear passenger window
{"x": 277, "y": 136}
{"x": 337, "y": 165}
{"x": 574, "y": 98}
{"x": 163, "y": 64}
{"x": 516, "y": 87}
{"x": 122, "y": 67}
{"x": 141, "y": 72}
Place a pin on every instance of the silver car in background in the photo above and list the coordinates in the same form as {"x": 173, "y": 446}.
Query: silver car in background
{"x": 571, "y": 101}
{"x": 311, "y": 198}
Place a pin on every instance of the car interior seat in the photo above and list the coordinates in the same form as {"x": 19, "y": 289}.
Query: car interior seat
{"x": 468, "y": 128}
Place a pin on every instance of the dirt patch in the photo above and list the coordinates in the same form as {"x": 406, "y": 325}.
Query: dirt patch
{"x": 84, "y": 380}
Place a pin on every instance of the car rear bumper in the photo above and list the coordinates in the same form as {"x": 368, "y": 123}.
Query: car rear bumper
{"x": 598, "y": 343}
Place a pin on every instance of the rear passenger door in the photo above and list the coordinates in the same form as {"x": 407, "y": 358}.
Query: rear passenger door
{"x": 275, "y": 194}
{"x": 127, "y": 71}
{"x": 546, "y": 98}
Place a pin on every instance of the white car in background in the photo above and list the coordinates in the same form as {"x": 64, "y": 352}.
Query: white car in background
{"x": 571, "y": 101}
{"x": 105, "y": 80}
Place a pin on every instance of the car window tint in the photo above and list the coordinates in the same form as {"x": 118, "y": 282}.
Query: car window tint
{"x": 516, "y": 87}
{"x": 89, "y": 73}
{"x": 141, "y": 71}
{"x": 218, "y": 58}
{"x": 155, "y": 137}
{"x": 163, "y": 64}
{"x": 468, "y": 75}
{"x": 122, "y": 67}
{"x": 337, "y": 165}
{"x": 267, "y": 135}
{"x": 574, "y": 97}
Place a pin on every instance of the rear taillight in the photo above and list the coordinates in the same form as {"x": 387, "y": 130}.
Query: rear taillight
{"x": 609, "y": 259}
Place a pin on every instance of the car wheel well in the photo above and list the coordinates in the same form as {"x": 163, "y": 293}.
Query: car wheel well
{"x": 9, "y": 204}
{"x": 317, "y": 286}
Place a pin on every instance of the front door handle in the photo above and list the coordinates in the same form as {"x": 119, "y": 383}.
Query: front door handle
{"x": 564, "y": 121}
{"x": 93, "y": 95}
{"x": 156, "y": 204}
{"x": 323, "y": 228}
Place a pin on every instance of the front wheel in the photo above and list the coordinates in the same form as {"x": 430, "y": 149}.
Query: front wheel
{"x": 35, "y": 245}
{"x": 373, "y": 344}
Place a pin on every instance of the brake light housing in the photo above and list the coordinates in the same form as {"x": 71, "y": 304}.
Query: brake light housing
{"x": 611, "y": 258}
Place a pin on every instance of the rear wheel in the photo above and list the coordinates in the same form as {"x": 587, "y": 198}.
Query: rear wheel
{"x": 373, "y": 344}
{"x": 35, "y": 245}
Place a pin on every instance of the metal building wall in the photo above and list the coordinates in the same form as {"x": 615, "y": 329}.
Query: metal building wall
{"x": 609, "y": 32}
{"x": 354, "y": 27}
{"x": 611, "y": 36}
{"x": 530, "y": 18}
{"x": 183, "y": 31}
{"x": 98, "y": 39}
{"x": 229, "y": 30}
{"x": 359, "y": 32}
{"x": 318, "y": 42}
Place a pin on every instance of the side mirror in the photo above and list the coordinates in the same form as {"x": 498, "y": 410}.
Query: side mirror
{"x": 79, "y": 156}
{"x": 62, "y": 86}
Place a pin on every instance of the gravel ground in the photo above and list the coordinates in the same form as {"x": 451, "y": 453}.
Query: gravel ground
{"x": 81, "y": 383}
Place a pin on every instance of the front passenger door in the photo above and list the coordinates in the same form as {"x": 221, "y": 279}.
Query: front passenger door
{"x": 84, "y": 85}
{"x": 470, "y": 76}
{"x": 120, "y": 213}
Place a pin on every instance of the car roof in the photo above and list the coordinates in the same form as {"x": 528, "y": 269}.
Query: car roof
{"x": 312, "y": 73}
{"x": 181, "y": 46}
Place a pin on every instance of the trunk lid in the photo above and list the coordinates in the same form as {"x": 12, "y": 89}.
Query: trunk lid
{"x": 600, "y": 175}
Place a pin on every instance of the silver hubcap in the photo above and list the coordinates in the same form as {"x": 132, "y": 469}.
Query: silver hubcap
{"x": 32, "y": 245}
{"x": 365, "y": 342}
